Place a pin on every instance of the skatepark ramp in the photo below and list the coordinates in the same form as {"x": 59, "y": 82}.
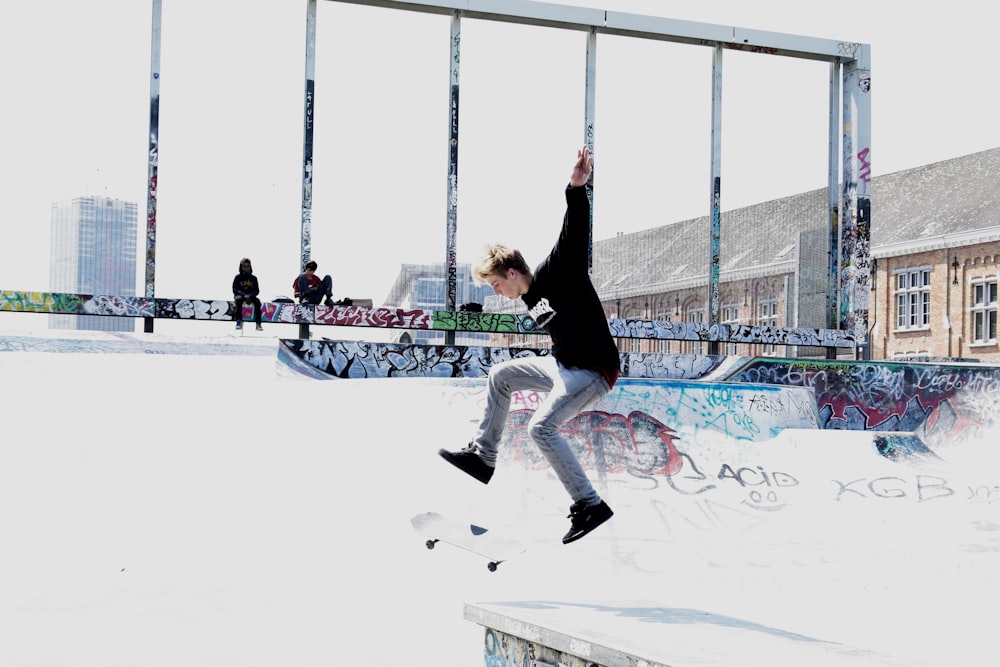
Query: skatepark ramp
{"x": 947, "y": 404}
{"x": 721, "y": 482}
{"x": 848, "y": 518}
{"x": 208, "y": 501}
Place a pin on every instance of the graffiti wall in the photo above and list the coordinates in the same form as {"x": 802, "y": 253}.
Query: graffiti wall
{"x": 365, "y": 359}
{"x": 684, "y": 459}
{"x": 76, "y": 304}
{"x": 274, "y": 312}
{"x": 634, "y": 427}
{"x": 738, "y": 333}
{"x": 506, "y": 650}
{"x": 359, "y": 359}
{"x": 676, "y": 439}
{"x": 944, "y": 404}
{"x": 399, "y": 318}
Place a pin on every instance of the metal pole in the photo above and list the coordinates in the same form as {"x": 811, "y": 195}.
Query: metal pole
{"x": 856, "y": 224}
{"x": 715, "y": 197}
{"x": 833, "y": 207}
{"x": 307, "y": 144}
{"x": 152, "y": 168}
{"x": 589, "y": 104}
{"x": 451, "y": 227}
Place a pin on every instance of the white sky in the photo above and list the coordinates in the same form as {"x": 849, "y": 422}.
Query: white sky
{"x": 75, "y": 82}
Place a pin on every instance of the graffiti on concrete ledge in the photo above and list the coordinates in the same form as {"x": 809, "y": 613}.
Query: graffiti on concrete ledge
{"x": 944, "y": 404}
{"x": 353, "y": 359}
{"x": 399, "y": 318}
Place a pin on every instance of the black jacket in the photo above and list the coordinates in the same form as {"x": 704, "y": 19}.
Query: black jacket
{"x": 245, "y": 284}
{"x": 562, "y": 300}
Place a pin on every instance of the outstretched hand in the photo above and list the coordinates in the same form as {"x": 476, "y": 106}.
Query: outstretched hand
{"x": 581, "y": 170}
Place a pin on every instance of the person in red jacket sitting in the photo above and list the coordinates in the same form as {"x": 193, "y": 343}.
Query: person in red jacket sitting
{"x": 310, "y": 288}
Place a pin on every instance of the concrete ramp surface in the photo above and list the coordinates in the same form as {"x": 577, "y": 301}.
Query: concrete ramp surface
{"x": 187, "y": 505}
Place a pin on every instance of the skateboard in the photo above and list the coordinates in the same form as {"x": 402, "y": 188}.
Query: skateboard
{"x": 480, "y": 541}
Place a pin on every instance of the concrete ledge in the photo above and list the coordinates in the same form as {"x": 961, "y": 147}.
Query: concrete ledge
{"x": 643, "y": 634}
{"x": 361, "y": 314}
{"x": 519, "y": 634}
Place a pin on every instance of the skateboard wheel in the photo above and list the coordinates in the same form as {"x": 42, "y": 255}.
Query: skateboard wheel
{"x": 430, "y": 543}
{"x": 492, "y": 566}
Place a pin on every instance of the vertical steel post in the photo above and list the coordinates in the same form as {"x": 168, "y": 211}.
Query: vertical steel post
{"x": 307, "y": 144}
{"x": 451, "y": 230}
{"x": 715, "y": 197}
{"x": 833, "y": 206}
{"x": 855, "y": 222}
{"x": 152, "y": 169}
{"x": 589, "y": 104}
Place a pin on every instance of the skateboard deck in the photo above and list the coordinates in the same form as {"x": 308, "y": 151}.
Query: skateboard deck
{"x": 476, "y": 539}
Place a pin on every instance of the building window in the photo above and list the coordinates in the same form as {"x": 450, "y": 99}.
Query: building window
{"x": 767, "y": 316}
{"x": 696, "y": 316}
{"x": 984, "y": 311}
{"x": 920, "y": 355}
{"x": 428, "y": 292}
{"x": 663, "y": 344}
{"x": 730, "y": 316}
{"x": 913, "y": 299}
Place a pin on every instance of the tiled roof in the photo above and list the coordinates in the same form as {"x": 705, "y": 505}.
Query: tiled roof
{"x": 951, "y": 198}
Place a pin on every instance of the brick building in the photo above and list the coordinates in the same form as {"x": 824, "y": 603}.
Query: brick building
{"x": 935, "y": 244}
{"x": 936, "y": 251}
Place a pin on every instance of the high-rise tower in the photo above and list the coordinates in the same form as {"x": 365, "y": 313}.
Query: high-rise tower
{"x": 93, "y": 251}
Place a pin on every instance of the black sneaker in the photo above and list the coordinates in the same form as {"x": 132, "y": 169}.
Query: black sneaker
{"x": 468, "y": 461}
{"x": 584, "y": 519}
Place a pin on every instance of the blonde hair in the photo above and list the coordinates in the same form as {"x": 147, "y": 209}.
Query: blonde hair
{"x": 496, "y": 260}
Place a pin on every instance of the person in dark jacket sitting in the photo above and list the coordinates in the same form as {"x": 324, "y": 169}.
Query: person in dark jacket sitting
{"x": 246, "y": 290}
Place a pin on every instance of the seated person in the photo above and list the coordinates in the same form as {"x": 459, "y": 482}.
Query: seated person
{"x": 246, "y": 290}
{"x": 309, "y": 288}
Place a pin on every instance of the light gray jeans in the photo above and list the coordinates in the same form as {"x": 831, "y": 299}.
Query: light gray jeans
{"x": 570, "y": 391}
